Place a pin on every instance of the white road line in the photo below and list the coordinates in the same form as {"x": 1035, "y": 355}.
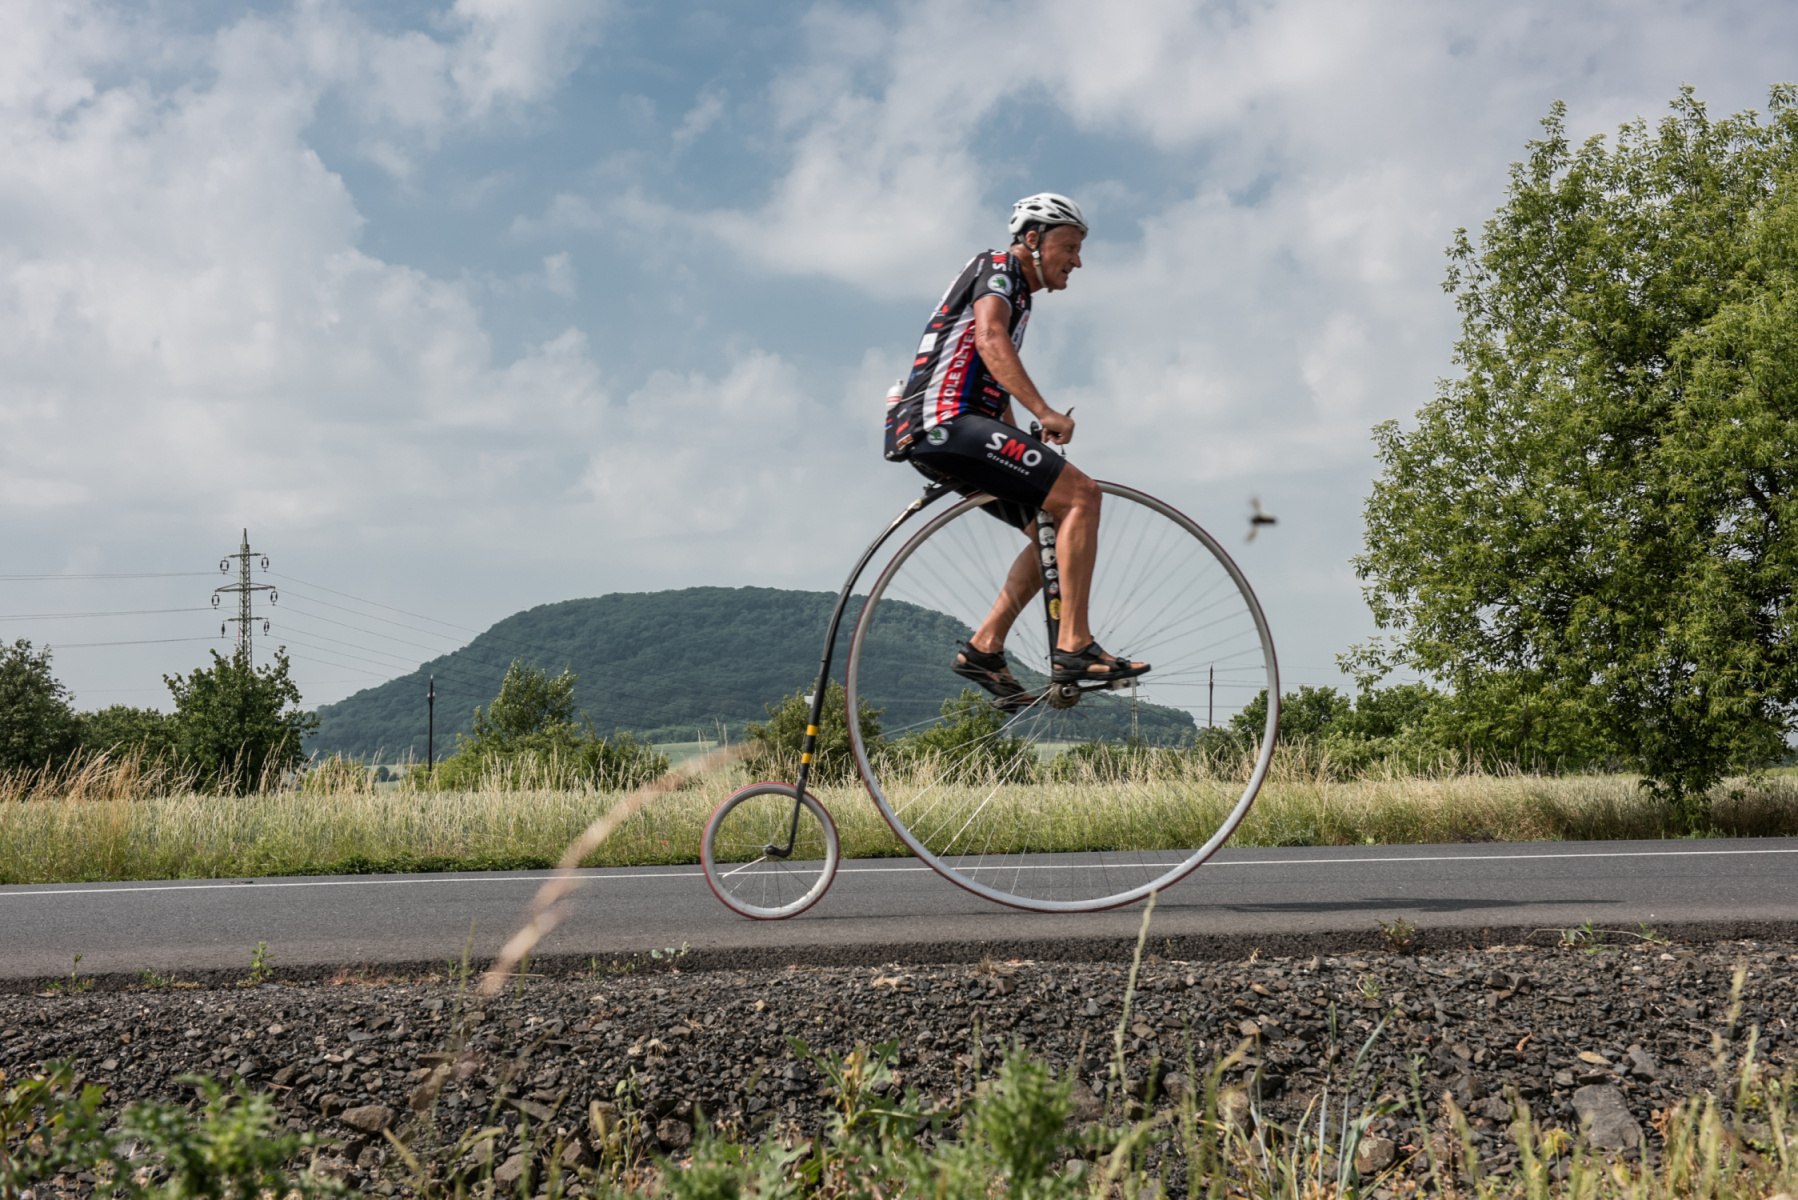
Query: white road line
{"x": 595, "y": 873}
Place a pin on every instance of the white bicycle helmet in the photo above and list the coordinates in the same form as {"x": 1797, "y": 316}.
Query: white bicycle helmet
{"x": 1041, "y": 211}
{"x": 1045, "y": 209}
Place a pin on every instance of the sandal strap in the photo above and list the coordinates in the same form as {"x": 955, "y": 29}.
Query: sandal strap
{"x": 988, "y": 660}
{"x": 1092, "y": 656}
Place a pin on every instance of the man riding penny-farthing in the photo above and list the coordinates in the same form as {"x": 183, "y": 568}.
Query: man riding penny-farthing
{"x": 1069, "y": 780}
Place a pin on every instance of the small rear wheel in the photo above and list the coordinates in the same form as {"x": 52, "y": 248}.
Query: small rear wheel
{"x": 739, "y": 852}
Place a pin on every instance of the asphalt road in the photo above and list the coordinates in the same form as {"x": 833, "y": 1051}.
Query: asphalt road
{"x": 897, "y": 909}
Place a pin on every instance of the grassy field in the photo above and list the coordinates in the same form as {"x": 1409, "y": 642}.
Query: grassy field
{"x": 124, "y": 822}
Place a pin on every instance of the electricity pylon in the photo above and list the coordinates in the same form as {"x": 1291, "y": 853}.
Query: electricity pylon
{"x": 245, "y": 618}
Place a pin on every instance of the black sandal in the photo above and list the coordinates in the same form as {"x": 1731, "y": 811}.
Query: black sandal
{"x": 1076, "y": 666}
{"x": 990, "y": 671}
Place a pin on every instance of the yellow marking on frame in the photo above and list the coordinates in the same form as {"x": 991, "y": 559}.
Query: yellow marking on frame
{"x": 805, "y": 758}
{"x": 811, "y": 731}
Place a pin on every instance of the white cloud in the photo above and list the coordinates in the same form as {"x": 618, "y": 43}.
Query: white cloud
{"x": 185, "y": 313}
{"x": 518, "y": 51}
{"x": 705, "y": 113}
{"x": 559, "y": 274}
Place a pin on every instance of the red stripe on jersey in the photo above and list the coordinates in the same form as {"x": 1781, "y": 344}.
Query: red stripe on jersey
{"x": 949, "y": 394}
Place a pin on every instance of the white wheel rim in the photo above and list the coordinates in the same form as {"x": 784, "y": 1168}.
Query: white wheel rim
{"x": 718, "y": 874}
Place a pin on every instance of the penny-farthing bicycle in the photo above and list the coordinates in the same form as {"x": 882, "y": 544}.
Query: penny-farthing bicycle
{"x": 982, "y": 798}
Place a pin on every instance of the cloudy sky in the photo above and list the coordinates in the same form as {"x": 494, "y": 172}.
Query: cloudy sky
{"x": 465, "y": 307}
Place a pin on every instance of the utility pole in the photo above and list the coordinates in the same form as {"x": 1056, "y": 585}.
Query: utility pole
{"x": 244, "y": 590}
{"x": 431, "y": 729}
{"x": 1210, "y": 694}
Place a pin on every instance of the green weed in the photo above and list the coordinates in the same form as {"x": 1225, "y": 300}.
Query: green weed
{"x": 262, "y": 967}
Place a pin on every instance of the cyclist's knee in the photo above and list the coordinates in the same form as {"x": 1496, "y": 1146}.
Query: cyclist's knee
{"x": 1073, "y": 489}
{"x": 1085, "y": 491}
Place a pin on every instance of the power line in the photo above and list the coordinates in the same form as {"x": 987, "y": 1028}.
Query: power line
{"x": 140, "y": 642}
{"x": 290, "y": 622}
{"x": 370, "y": 632}
{"x": 115, "y": 575}
{"x": 385, "y": 668}
{"x": 371, "y": 616}
{"x": 358, "y": 599}
{"x": 616, "y": 687}
{"x": 487, "y": 633}
{"x": 123, "y": 612}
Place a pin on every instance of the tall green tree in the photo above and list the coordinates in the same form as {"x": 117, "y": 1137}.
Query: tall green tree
{"x": 37, "y": 725}
{"x": 1600, "y": 509}
{"x": 238, "y": 725}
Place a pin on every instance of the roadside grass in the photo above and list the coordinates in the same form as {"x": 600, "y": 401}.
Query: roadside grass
{"x": 119, "y": 820}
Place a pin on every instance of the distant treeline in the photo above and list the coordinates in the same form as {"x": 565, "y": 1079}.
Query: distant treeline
{"x": 235, "y": 727}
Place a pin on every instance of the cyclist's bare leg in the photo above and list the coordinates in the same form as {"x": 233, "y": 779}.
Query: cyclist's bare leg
{"x": 1022, "y": 583}
{"x": 1075, "y": 500}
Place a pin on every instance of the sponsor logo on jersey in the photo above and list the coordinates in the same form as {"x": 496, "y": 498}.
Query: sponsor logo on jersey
{"x": 937, "y": 435}
{"x": 1000, "y": 284}
{"x": 1055, "y": 610}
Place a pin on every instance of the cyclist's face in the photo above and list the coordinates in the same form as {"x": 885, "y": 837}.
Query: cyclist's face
{"x": 1061, "y": 255}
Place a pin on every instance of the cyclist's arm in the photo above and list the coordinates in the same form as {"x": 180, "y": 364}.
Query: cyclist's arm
{"x": 992, "y": 341}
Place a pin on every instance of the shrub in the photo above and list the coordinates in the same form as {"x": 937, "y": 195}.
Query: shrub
{"x": 121, "y": 729}
{"x": 970, "y": 743}
{"x": 231, "y": 1147}
{"x": 775, "y": 745}
{"x": 534, "y": 736}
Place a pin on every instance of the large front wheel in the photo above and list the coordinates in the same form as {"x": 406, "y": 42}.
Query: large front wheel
{"x": 1070, "y": 801}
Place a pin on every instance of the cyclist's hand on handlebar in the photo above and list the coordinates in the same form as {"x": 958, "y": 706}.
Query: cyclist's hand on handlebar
{"x": 1057, "y": 427}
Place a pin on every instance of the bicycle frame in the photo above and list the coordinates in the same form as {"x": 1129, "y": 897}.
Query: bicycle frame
{"x": 1048, "y": 564}
{"x": 809, "y": 746}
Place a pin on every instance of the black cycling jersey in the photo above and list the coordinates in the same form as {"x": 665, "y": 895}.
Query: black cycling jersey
{"x": 948, "y": 377}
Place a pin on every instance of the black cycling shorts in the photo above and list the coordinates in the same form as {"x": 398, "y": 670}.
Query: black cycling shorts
{"x": 978, "y": 454}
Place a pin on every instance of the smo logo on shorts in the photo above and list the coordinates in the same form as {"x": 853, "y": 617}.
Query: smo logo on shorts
{"x": 1013, "y": 449}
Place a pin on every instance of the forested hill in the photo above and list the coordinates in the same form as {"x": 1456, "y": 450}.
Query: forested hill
{"x": 666, "y": 665}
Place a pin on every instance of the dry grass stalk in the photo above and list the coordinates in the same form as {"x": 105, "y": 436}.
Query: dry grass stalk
{"x": 550, "y": 904}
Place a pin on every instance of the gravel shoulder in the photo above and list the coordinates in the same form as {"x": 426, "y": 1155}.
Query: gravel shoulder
{"x": 1628, "y": 1029}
